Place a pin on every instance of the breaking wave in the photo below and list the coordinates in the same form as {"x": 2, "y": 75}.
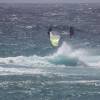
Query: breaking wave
{"x": 65, "y": 55}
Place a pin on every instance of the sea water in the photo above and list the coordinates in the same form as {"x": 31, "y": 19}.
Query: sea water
{"x": 31, "y": 69}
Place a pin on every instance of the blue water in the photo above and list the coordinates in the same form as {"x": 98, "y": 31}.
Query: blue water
{"x": 31, "y": 69}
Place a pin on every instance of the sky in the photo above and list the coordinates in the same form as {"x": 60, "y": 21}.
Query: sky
{"x": 48, "y": 1}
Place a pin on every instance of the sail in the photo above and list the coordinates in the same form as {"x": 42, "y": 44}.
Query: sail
{"x": 54, "y": 39}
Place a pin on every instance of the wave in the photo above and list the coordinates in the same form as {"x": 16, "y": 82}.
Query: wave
{"x": 64, "y": 56}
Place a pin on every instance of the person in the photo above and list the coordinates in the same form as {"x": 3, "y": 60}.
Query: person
{"x": 71, "y": 31}
{"x": 49, "y": 30}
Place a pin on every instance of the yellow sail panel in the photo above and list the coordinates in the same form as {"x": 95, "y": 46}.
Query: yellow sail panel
{"x": 54, "y": 39}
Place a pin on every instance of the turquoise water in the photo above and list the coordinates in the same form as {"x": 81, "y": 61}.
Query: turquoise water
{"x": 31, "y": 69}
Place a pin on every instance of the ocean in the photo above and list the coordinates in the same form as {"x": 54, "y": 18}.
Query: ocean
{"x": 31, "y": 69}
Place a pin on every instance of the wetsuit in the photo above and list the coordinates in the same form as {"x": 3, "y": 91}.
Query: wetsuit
{"x": 71, "y": 31}
{"x": 49, "y": 30}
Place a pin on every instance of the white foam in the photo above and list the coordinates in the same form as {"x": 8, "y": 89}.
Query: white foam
{"x": 66, "y": 50}
{"x": 37, "y": 61}
{"x": 76, "y": 82}
{"x": 20, "y": 71}
{"x": 29, "y": 27}
{"x": 82, "y": 55}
